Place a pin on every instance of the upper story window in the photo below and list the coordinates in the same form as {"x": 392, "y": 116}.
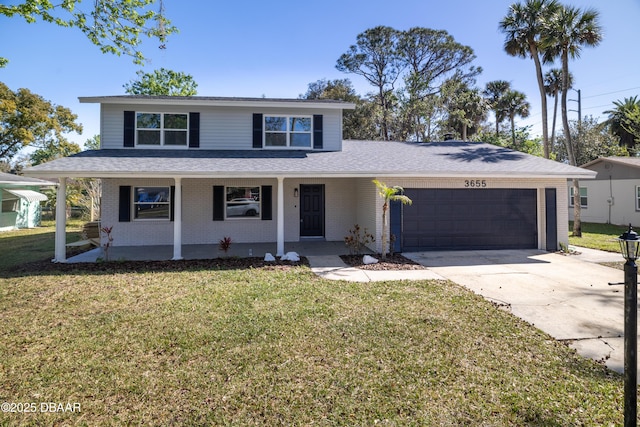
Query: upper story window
{"x": 168, "y": 129}
{"x": 288, "y": 131}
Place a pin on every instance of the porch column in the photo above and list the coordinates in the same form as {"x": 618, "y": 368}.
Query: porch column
{"x": 280, "y": 218}
{"x": 60, "y": 254}
{"x": 177, "y": 220}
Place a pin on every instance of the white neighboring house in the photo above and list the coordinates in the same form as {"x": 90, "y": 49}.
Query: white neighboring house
{"x": 180, "y": 170}
{"x": 613, "y": 197}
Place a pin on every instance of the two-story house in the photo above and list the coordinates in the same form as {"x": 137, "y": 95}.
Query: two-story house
{"x": 190, "y": 170}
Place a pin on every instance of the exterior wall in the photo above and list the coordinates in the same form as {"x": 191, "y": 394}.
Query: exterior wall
{"x": 28, "y": 214}
{"x": 538, "y": 184}
{"x": 221, "y": 128}
{"x": 347, "y": 202}
{"x": 621, "y": 211}
{"x": 197, "y": 213}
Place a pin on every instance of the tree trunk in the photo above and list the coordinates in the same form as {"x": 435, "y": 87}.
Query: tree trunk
{"x": 577, "y": 224}
{"x": 555, "y": 114}
{"x": 513, "y": 131}
{"x": 384, "y": 230}
{"x": 577, "y": 210}
{"x": 543, "y": 99}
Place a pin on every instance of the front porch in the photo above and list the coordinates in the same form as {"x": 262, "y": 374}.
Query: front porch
{"x": 241, "y": 250}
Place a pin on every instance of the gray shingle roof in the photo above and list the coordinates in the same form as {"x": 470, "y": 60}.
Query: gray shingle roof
{"x": 358, "y": 158}
{"x": 11, "y": 179}
{"x": 629, "y": 161}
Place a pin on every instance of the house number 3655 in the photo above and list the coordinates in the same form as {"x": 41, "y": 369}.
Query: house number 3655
{"x": 475, "y": 183}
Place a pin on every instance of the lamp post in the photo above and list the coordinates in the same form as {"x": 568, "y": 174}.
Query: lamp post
{"x": 629, "y": 245}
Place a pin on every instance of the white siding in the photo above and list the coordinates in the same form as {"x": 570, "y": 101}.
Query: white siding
{"x": 622, "y": 211}
{"x": 220, "y": 128}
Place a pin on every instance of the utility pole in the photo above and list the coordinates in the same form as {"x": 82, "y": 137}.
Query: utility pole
{"x": 579, "y": 110}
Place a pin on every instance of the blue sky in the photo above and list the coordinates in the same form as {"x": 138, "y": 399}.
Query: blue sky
{"x": 275, "y": 49}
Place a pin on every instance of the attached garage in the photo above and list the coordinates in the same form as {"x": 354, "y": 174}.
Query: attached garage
{"x": 469, "y": 218}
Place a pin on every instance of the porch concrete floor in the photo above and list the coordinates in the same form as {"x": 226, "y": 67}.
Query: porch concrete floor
{"x": 165, "y": 252}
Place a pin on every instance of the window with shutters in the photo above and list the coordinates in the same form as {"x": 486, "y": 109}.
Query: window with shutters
{"x": 162, "y": 129}
{"x": 288, "y": 131}
{"x": 151, "y": 202}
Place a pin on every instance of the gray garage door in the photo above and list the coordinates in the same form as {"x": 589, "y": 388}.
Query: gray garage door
{"x": 469, "y": 219}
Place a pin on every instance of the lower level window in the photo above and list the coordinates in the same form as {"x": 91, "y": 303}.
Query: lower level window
{"x": 243, "y": 202}
{"x": 638, "y": 198}
{"x": 10, "y": 205}
{"x": 151, "y": 202}
{"x": 583, "y": 196}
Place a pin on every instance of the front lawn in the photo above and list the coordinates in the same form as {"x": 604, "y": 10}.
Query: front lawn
{"x": 598, "y": 236}
{"x": 185, "y": 343}
{"x": 34, "y": 244}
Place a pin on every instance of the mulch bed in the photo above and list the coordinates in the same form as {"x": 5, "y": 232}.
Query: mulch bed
{"x": 144, "y": 266}
{"x": 392, "y": 262}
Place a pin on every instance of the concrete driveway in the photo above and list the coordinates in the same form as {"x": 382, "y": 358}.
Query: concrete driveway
{"x": 566, "y": 296}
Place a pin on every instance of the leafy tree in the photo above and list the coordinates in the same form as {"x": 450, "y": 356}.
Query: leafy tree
{"x": 465, "y": 106}
{"x": 162, "y": 82}
{"x": 389, "y": 194}
{"x": 430, "y": 56}
{"x": 115, "y": 26}
{"x": 27, "y": 119}
{"x": 595, "y": 141}
{"x": 54, "y": 151}
{"x": 515, "y": 104}
{"x": 356, "y": 124}
{"x": 92, "y": 143}
{"x": 553, "y": 87}
{"x": 622, "y": 123}
{"x": 566, "y": 33}
{"x": 375, "y": 57}
{"x": 494, "y": 93}
{"x": 523, "y": 26}
{"x": 523, "y": 141}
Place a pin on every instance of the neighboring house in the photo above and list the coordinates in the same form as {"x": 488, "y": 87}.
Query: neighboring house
{"x": 614, "y": 196}
{"x": 20, "y": 201}
{"x": 191, "y": 170}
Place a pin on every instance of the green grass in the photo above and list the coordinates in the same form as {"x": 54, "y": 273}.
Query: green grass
{"x": 35, "y": 244}
{"x": 597, "y": 236}
{"x": 199, "y": 346}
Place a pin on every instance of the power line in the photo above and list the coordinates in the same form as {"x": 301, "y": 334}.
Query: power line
{"x": 610, "y": 93}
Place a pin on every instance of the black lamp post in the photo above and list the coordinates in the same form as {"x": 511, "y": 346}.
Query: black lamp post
{"x": 629, "y": 245}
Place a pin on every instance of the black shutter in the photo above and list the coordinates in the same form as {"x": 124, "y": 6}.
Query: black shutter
{"x": 267, "y": 202}
{"x": 194, "y": 130}
{"x": 125, "y": 203}
{"x": 257, "y": 130}
{"x": 172, "y": 203}
{"x": 317, "y": 131}
{"x": 218, "y": 203}
{"x": 129, "y": 128}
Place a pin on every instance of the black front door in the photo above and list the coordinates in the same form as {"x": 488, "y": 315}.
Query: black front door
{"x": 312, "y": 210}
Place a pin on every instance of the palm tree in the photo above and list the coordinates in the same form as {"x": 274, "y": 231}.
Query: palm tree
{"x": 494, "y": 93}
{"x": 553, "y": 87}
{"x": 515, "y": 104}
{"x": 570, "y": 29}
{"x": 389, "y": 194}
{"x": 523, "y": 26}
{"x": 618, "y": 117}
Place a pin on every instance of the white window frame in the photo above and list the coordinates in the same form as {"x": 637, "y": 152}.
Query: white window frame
{"x": 637, "y": 197}
{"x": 586, "y": 197}
{"x": 135, "y": 203}
{"x": 13, "y": 201}
{"x": 242, "y": 217}
{"x": 288, "y": 132}
{"x": 162, "y": 131}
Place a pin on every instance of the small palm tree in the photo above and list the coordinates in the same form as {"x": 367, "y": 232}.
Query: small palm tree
{"x": 494, "y": 94}
{"x": 617, "y": 118}
{"x": 515, "y": 104}
{"x": 389, "y": 194}
{"x": 553, "y": 87}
